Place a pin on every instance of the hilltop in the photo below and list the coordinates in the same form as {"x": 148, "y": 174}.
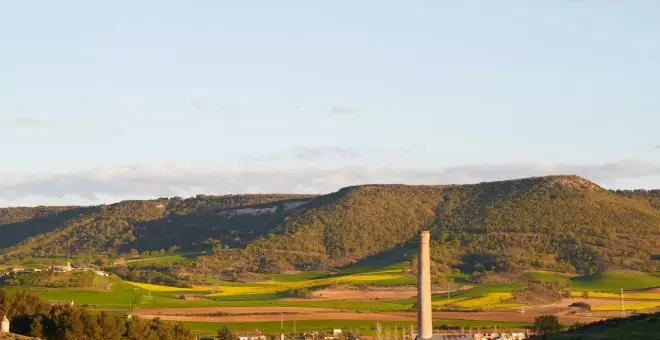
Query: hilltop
{"x": 559, "y": 223}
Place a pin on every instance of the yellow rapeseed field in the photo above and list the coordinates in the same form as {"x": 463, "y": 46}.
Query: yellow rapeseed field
{"x": 490, "y": 300}
{"x": 628, "y": 306}
{"x": 271, "y": 286}
{"x": 243, "y": 290}
{"x": 628, "y": 295}
{"x": 159, "y": 288}
{"x": 445, "y": 302}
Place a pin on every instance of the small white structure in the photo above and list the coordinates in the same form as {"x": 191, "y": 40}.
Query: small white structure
{"x": 63, "y": 269}
{"x": 336, "y": 331}
{"x": 251, "y": 336}
{"x": 4, "y": 328}
{"x": 61, "y": 302}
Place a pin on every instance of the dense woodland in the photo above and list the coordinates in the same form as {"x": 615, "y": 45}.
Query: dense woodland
{"x": 32, "y": 316}
{"x": 559, "y": 223}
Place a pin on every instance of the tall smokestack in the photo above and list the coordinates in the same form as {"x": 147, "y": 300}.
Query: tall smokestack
{"x": 424, "y": 311}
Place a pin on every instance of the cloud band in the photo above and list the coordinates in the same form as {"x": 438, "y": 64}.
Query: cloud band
{"x": 149, "y": 181}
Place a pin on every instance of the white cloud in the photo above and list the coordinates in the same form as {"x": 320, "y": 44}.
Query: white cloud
{"x": 342, "y": 109}
{"x": 141, "y": 182}
{"x": 309, "y": 153}
{"x": 25, "y": 122}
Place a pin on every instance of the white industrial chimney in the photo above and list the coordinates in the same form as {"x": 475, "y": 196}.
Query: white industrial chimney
{"x": 424, "y": 310}
{"x": 4, "y": 327}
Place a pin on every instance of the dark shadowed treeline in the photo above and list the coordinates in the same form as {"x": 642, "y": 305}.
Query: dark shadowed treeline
{"x": 639, "y": 326}
{"x": 32, "y": 316}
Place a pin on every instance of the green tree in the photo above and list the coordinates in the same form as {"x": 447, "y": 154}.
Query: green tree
{"x": 90, "y": 325}
{"x": 111, "y": 327}
{"x": 181, "y": 332}
{"x": 546, "y": 325}
{"x": 5, "y": 303}
{"x": 36, "y": 327}
{"x": 225, "y": 334}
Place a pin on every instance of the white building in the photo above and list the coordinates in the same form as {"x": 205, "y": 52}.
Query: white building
{"x": 66, "y": 268}
{"x": 251, "y": 336}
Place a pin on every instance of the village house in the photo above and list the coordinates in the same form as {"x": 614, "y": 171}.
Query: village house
{"x": 251, "y": 336}
{"x": 95, "y": 271}
{"x": 502, "y": 336}
{"x": 311, "y": 335}
{"x": 61, "y": 302}
{"x": 62, "y": 269}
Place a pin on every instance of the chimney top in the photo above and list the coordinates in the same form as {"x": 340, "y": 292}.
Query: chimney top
{"x": 424, "y": 236}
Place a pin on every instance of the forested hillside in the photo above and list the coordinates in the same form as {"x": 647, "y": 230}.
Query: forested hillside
{"x": 144, "y": 225}
{"x": 562, "y": 223}
{"x": 20, "y": 214}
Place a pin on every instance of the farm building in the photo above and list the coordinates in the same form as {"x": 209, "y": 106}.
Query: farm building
{"x": 251, "y": 336}
{"x": 62, "y": 269}
{"x": 61, "y": 302}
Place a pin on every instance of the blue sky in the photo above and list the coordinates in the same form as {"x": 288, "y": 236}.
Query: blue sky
{"x": 322, "y": 94}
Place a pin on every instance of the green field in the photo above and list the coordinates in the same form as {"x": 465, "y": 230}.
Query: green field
{"x": 270, "y": 292}
{"x": 122, "y": 294}
{"x": 607, "y": 281}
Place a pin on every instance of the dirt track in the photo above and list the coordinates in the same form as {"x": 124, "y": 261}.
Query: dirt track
{"x": 275, "y": 317}
{"x": 249, "y": 314}
{"x": 232, "y": 310}
{"x": 306, "y": 314}
{"x": 359, "y": 294}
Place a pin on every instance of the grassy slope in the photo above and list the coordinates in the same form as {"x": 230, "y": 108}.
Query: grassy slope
{"x": 606, "y": 281}
{"x": 635, "y": 327}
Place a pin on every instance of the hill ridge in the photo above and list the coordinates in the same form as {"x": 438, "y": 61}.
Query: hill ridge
{"x": 559, "y": 222}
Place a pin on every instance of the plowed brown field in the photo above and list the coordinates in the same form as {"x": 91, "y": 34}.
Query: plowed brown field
{"x": 194, "y": 314}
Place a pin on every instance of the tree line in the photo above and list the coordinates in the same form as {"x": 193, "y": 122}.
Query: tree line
{"x": 32, "y": 316}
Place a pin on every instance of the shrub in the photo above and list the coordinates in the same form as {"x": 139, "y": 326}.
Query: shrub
{"x": 581, "y": 305}
{"x": 299, "y": 293}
